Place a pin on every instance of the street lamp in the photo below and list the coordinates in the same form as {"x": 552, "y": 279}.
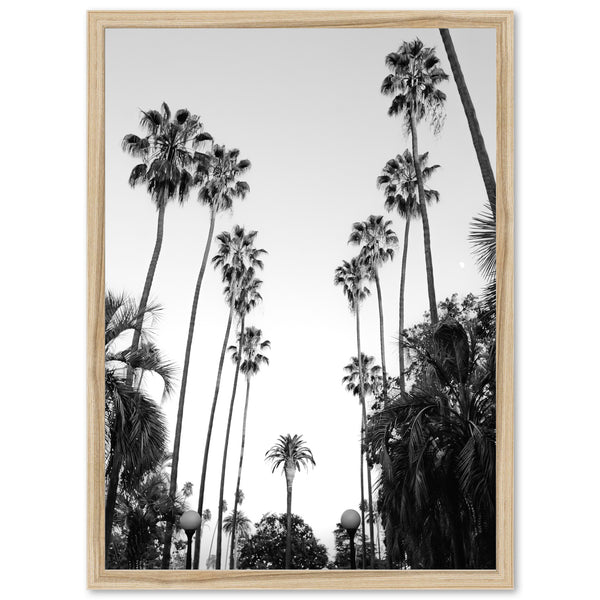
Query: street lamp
{"x": 350, "y": 521}
{"x": 190, "y": 521}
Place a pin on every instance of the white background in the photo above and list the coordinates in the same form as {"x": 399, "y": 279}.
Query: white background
{"x": 42, "y": 299}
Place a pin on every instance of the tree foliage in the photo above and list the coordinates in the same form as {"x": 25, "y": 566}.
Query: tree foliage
{"x": 436, "y": 445}
{"x": 266, "y": 548}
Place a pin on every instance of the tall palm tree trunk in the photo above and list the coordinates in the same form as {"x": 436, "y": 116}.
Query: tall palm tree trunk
{"x": 482, "y": 156}
{"x": 227, "y": 548}
{"x": 113, "y": 482}
{"x": 424, "y": 219}
{"x": 186, "y": 364}
{"x": 211, "y": 544}
{"x": 239, "y": 477}
{"x": 288, "y": 537}
{"x": 226, "y": 445}
{"x": 198, "y": 538}
{"x": 381, "y": 339}
{"x": 362, "y": 497}
{"x": 364, "y": 413}
{"x": 401, "y": 306}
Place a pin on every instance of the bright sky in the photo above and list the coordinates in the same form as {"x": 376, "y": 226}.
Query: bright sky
{"x": 304, "y": 106}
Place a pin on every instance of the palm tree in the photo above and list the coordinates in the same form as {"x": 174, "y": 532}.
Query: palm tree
{"x": 399, "y": 182}
{"x": 351, "y": 275}
{"x": 217, "y": 176}
{"x": 291, "y": 454}
{"x": 483, "y": 228}
{"x": 237, "y": 527}
{"x": 485, "y": 166}
{"x": 166, "y": 155}
{"x": 414, "y": 84}
{"x": 371, "y": 376}
{"x": 372, "y": 382}
{"x": 135, "y": 427}
{"x": 248, "y": 298}
{"x": 238, "y": 260}
{"x": 249, "y": 360}
{"x": 377, "y": 241}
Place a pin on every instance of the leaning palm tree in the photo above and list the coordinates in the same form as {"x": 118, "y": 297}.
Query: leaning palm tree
{"x": 414, "y": 83}
{"x": 135, "y": 428}
{"x": 377, "y": 241}
{"x": 483, "y": 227}
{"x": 217, "y": 175}
{"x": 351, "y": 276}
{"x": 248, "y": 297}
{"x": 291, "y": 454}
{"x": 485, "y": 165}
{"x": 399, "y": 182}
{"x": 167, "y": 154}
{"x": 238, "y": 259}
{"x": 249, "y": 360}
{"x": 237, "y": 527}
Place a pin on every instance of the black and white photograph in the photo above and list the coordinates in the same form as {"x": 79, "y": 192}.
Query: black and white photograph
{"x": 300, "y": 299}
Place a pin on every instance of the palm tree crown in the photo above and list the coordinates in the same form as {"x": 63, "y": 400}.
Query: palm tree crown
{"x": 290, "y": 451}
{"x": 252, "y": 351}
{"x": 242, "y": 524}
{"x": 351, "y": 275}
{"x": 238, "y": 260}
{"x": 377, "y": 239}
{"x": 399, "y": 182}
{"x": 217, "y": 176}
{"x": 414, "y": 82}
{"x": 372, "y": 379}
{"x": 167, "y": 152}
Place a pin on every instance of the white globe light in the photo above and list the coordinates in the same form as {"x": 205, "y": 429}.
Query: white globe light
{"x": 350, "y": 519}
{"x": 190, "y": 519}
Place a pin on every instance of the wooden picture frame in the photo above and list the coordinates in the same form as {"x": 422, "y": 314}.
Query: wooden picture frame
{"x": 100, "y": 578}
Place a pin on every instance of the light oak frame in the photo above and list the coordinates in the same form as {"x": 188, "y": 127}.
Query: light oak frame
{"x": 100, "y": 578}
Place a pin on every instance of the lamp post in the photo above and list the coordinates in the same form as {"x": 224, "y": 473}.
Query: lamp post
{"x": 190, "y": 521}
{"x": 350, "y": 521}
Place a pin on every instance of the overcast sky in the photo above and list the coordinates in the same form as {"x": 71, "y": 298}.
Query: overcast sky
{"x": 304, "y": 106}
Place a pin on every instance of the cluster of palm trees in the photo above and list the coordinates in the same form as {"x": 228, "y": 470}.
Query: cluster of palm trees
{"x": 177, "y": 157}
{"x": 469, "y": 400}
{"x": 429, "y": 432}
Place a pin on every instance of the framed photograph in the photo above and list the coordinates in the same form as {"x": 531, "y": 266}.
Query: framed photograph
{"x": 300, "y": 300}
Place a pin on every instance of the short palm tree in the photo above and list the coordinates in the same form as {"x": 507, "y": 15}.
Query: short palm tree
{"x": 217, "y": 176}
{"x": 291, "y": 454}
{"x": 238, "y": 259}
{"x": 248, "y": 297}
{"x": 351, "y": 276}
{"x": 135, "y": 427}
{"x": 377, "y": 241}
{"x": 413, "y": 83}
{"x": 249, "y": 360}
{"x": 372, "y": 383}
{"x": 399, "y": 182}
{"x": 237, "y": 528}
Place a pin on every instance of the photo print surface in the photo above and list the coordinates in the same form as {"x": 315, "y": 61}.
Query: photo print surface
{"x": 300, "y": 236}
